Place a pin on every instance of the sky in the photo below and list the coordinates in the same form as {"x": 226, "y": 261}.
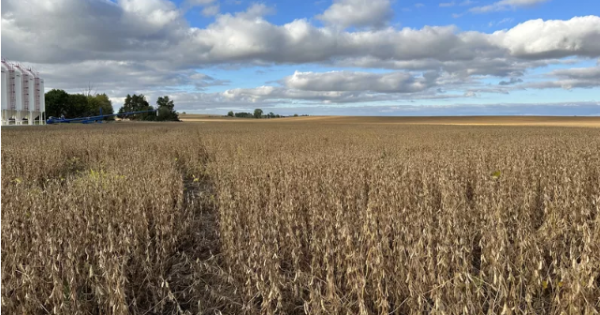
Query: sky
{"x": 340, "y": 57}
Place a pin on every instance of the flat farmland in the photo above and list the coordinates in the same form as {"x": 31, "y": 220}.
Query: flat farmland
{"x": 552, "y": 121}
{"x": 307, "y": 215}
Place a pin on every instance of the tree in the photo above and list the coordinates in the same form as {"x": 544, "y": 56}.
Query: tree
{"x": 136, "y": 103}
{"x": 166, "y": 109}
{"x": 295, "y": 115}
{"x": 271, "y": 115}
{"x": 57, "y": 102}
{"x": 258, "y": 113}
{"x": 78, "y": 106}
{"x": 243, "y": 115}
{"x": 101, "y": 101}
{"x": 230, "y": 114}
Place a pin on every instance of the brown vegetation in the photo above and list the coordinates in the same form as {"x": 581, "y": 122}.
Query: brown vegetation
{"x": 317, "y": 218}
{"x": 542, "y": 121}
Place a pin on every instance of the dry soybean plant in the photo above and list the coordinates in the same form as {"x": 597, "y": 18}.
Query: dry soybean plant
{"x": 107, "y": 220}
{"x": 295, "y": 218}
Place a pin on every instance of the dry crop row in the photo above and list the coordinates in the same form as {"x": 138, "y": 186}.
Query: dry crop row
{"x": 412, "y": 220}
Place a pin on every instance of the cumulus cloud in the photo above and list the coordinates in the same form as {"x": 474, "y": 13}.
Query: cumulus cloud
{"x": 119, "y": 78}
{"x": 211, "y": 10}
{"x": 579, "y": 73}
{"x": 570, "y": 79}
{"x": 505, "y": 5}
{"x": 395, "y": 82}
{"x": 358, "y": 13}
{"x": 105, "y": 31}
{"x": 550, "y": 109}
{"x": 147, "y": 46}
{"x": 511, "y": 81}
{"x": 579, "y": 36}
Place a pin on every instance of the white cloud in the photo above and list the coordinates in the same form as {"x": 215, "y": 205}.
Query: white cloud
{"x": 579, "y": 36}
{"x": 211, "y": 10}
{"x": 506, "y": 5}
{"x": 108, "y": 33}
{"x": 579, "y": 73}
{"x": 395, "y": 82}
{"x": 158, "y": 13}
{"x": 447, "y": 4}
{"x": 511, "y": 81}
{"x": 569, "y": 79}
{"x": 133, "y": 46}
{"x": 358, "y": 13}
{"x": 256, "y": 11}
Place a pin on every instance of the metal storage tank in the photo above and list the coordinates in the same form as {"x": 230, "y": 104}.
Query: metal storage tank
{"x": 42, "y": 102}
{"x": 34, "y": 106}
{"x": 17, "y": 95}
{"x": 39, "y": 99}
{"x": 22, "y": 95}
{"x": 5, "y": 97}
{"x": 28, "y": 99}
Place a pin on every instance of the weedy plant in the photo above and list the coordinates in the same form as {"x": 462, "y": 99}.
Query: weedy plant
{"x": 294, "y": 218}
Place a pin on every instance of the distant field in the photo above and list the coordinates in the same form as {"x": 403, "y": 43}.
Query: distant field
{"x": 593, "y": 122}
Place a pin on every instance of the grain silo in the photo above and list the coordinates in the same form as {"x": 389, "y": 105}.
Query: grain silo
{"x": 27, "y": 92}
{"x": 23, "y": 98}
{"x": 5, "y": 94}
{"x": 40, "y": 100}
{"x": 17, "y": 94}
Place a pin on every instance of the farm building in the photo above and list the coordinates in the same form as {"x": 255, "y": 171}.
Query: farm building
{"x": 22, "y": 96}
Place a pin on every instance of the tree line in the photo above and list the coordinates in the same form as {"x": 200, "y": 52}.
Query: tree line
{"x": 258, "y": 113}
{"x": 135, "y": 103}
{"x": 60, "y": 103}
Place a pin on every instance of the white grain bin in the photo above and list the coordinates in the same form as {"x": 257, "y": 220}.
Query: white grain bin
{"x": 22, "y": 95}
{"x": 5, "y": 94}
{"x": 41, "y": 100}
{"x": 28, "y": 94}
{"x": 17, "y": 95}
{"x": 34, "y": 96}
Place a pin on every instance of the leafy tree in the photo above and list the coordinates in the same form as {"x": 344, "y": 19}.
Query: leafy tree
{"x": 101, "y": 101}
{"x": 271, "y": 115}
{"x": 258, "y": 113}
{"x": 244, "y": 115}
{"x": 57, "y": 102}
{"x": 295, "y": 115}
{"x": 78, "y": 106}
{"x": 230, "y": 114}
{"x": 136, "y": 103}
{"x": 166, "y": 109}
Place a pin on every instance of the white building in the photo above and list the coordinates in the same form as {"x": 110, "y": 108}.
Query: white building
{"x": 23, "y": 101}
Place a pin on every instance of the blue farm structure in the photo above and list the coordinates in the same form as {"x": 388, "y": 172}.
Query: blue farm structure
{"x": 91, "y": 119}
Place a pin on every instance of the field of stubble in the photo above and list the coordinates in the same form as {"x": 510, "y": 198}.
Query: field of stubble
{"x": 307, "y": 217}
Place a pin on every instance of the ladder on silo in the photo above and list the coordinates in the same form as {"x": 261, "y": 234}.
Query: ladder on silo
{"x": 12, "y": 103}
{"x": 25, "y": 87}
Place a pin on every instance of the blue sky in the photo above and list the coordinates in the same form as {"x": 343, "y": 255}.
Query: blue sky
{"x": 344, "y": 57}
